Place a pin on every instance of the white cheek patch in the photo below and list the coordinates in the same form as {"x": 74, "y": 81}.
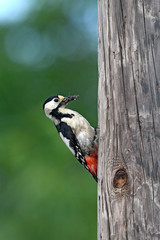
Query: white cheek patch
{"x": 51, "y": 105}
{"x": 67, "y": 142}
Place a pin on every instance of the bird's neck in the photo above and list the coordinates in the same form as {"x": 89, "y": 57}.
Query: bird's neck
{"x": 60, "y": 113}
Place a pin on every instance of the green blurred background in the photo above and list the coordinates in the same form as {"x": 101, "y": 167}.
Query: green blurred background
{"x": 47, "y": 48}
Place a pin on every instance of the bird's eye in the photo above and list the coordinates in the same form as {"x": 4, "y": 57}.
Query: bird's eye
{"x": 56, "y": 100}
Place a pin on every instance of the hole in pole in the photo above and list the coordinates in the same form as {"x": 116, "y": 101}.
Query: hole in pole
{"x": 120, "y": 178}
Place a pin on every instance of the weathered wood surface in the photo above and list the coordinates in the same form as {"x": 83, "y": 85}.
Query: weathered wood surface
{"x": 129, "y": 119}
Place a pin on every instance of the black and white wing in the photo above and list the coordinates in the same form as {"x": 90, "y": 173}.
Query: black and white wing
{"x": 69, "y": 138}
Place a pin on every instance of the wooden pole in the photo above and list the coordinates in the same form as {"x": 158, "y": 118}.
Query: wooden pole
{"x": 129, "y": 120}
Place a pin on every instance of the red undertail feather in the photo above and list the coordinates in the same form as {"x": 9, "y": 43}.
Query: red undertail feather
{"x": 92, "y": 162}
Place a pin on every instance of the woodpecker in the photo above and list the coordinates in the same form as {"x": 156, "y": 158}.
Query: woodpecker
{"x": 75, "y": 131}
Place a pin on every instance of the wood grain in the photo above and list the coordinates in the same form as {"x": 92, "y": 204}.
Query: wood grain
{"x": 129, "y": 119}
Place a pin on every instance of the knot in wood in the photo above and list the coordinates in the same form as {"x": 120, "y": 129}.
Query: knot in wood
{"x": 120, "y": 178}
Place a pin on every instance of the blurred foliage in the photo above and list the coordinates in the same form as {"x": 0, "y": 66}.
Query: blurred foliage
{"x": 45, "y": 193}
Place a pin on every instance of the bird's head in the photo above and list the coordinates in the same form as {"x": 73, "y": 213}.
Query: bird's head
{"x": 55, "y": 102}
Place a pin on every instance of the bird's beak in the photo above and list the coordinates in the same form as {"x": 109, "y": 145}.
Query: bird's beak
{"x": 69, "y": 99}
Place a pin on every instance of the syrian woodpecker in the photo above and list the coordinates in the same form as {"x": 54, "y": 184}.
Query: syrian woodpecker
{"x": 75, "y": 131}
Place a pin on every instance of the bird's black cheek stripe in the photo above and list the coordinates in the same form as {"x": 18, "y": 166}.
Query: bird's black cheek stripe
{"x": 60, "y": 115}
